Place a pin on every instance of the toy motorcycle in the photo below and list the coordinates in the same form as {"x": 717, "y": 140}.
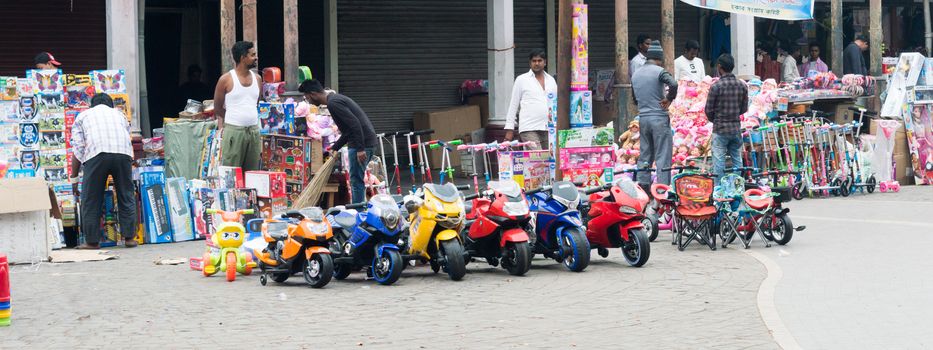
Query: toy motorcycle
{"x": 300, "y": 241}
{"x": 497, "y": 226}
{"x": 614, "y": 220}
{"x": 559, "y": 229}
{"x": 228, "y": 239}
{"x": 437, "y": 217}
{"x": 369, "y": 239}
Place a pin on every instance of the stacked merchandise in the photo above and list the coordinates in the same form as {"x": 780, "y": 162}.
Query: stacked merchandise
{"x": 586, "y": 155}
{"x": 910, "y": 99}
{"x": 581, "y": 98}
{"x": 78, "y": 93}
{"x": 828, "y": 86}
{"x": 530, "y": 169}
{"x": 9, "y": 126}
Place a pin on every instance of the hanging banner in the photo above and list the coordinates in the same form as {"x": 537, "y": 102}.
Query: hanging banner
{"x": 775, "y": 9}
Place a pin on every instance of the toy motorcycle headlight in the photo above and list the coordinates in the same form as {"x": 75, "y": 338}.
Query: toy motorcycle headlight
{"x": 570, "y": 204}
{"x": 516, "y": 208}
{"x": 412, "y": 204}
{"x": 627, "y": 210}
{"x": 391, "y": 219}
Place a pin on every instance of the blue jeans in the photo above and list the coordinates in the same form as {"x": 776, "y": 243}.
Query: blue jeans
{"x": 723, "y": 145}
{"x": 357, "y": 173}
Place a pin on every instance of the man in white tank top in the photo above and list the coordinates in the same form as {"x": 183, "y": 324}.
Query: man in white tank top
{"x": 235, "y": 100}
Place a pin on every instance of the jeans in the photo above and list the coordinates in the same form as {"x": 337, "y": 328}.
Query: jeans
{"x": 96, "y": 171}
{"x": 723, "y": 145}
{"x": 357, "y": 173}
{"x": 657, "y": 143}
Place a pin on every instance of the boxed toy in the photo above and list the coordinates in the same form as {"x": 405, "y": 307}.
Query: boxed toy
{"x": 229, "y": 177}
{"x": 581, "y": 109}
{"x": 277, "y": 118}
{"x": 272, "y": 91}
{"x": 54, "y": 102}
{"x": 9, "y": 111}
{"x": 525, "y": 167}
{"x": 29, "y": 135}
{"x": 586, "y": 158}
{"x": 121, "y": 102}
{"x": 202, "y": 199}
{"x": 579, "y": 64}
{"x": 236, "y": 199}
{"x": 589, "y": 177}
{"x": 268, "y": 184}
{"x": 180, "y": 211}
{"x": 110, "y": 81}
{"x": 584, "y": 137}
{"x": 45, "y": 81}
{"x": 297, "y": 156}
{"x": 272, "y": 207}
{"x": 155, "y": 214}
{"x": 78, "y": 80}
{"x": 8, "y": 91}
{"x": 78, "y": 96}
{"x": 293, "y": 189}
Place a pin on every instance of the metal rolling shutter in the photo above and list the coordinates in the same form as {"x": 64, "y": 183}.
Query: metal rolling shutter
{"x": 75, "y": 32}
{"x": 402, "y": 56}
{"x": 530, "y": 30}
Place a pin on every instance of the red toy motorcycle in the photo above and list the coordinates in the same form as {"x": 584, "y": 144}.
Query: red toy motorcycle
{"x": 614, "y": 220}
{"x": 497, "y": 227}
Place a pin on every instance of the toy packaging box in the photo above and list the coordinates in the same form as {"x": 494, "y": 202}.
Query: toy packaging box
{"x": 28, "y": 109}
{"x": 525, "y": 167}
{"x": 179, "y": 209}
{"x": 202, "y": 198}
{"x": 581, "y": 109}
{"x": 229, "y": 177}
{"x": 155, "y": 211}
{"x": 277, "y": 118}
{"x": 579, "y": 65}
{"x": 272, "y": 91}
{"x": 52, "y": 121}
{"x": 78, "y": 80}
{"x": 589, "y": 177}
{"x": 268, "y": 184}
{"x": 236, "y": 199}
{"x": 272, "y": 207}
{"x": 586, "y": 158}
{"x": 297, "y": 156}
{"x": 45, "y": 81}
{"x": 121, "y": 102}
{"x": 9, "y": 111}
{"x": 50, "y": 102}
{"x": 29, "y": 135}
{"x": 8, "y": 90}
{"x": 293, "y": 189}
{"x": 78, "y": 96}
{"x": 584, "y": 137}
{"x": 112, "y": 81}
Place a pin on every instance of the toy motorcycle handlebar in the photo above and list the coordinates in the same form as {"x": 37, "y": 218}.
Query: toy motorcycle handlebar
{"x": 592, "y": 190}
{"x": 471, "y": 196}
{"x": 463, "y": 187}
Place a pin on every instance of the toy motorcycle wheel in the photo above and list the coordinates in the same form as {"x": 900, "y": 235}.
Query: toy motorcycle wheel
{"x": 453, "y": 255}
{"x": 263, "y": 279}
{"x": 576, "y": 250}
{"x": 517, "y": 258}
{"x": 651, "y": 225}
{"x": 319, "y": 270}
{"x": 387, "y": 267}
{"x": 870, "y": 184}
{"x": 636, "y": 250}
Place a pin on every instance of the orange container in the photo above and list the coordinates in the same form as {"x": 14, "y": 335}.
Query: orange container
{"x": 271, "y": 75}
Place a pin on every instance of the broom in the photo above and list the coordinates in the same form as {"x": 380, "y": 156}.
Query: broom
{"x": 312, "y": 193}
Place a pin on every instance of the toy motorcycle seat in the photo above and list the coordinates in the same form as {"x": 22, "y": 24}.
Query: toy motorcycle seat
{"x": 758, "y": 199}
{"x": 346, "y": 220}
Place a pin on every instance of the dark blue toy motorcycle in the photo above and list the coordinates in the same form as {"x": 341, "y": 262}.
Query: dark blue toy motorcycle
{"x": 369, "y": 239}
{"x": 558, "y": 227}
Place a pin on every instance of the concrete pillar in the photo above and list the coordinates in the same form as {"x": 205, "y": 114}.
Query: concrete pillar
{"x": 667, "y": 33}
{"x": 330, "y": 56}
{"x": 123, "y": 49}
{"x": 227, "y": 33}
{"x": 743, "y": 44}
{"x": 876, "y": 37}
{"x": 501, "y": 54}
{"x": 836, "y": 35}
{"x": 623, "y": 82}
{"x": 142, "y": 107}
{"x": 249, "y": 23}
{"x": 291, "y": 44}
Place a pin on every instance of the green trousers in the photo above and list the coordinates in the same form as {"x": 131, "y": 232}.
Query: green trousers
{"x": 241, "y": 147}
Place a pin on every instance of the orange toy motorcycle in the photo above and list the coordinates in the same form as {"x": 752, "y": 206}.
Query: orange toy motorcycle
{"x": 298, "y": 242}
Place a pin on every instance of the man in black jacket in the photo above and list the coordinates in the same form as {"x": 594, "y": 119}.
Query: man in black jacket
{"x": 356, "y": 131}
{"x": 853, "y": 62}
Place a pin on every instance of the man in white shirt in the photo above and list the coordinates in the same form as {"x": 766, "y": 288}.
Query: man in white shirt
{"x": 530, "y": 102}
{"x": 644, "y": 42}
{"x": 100, "y": 142}
{"x": 789, "y": 70}
{"x": 689, "y": 66}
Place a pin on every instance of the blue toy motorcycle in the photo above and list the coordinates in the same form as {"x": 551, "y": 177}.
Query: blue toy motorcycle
{"x": 558, "y": 227}
{"x": 369, "y": 239}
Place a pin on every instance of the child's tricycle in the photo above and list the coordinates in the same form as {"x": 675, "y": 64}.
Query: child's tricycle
{"x": 228, "y": 239}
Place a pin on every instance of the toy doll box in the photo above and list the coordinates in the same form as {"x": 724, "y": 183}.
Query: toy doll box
{"x": 277, "y": 118}
{"x": 589, "y": 177}
{"x": 155, "y": 212}
{"x": 584, "y": 137}
{"x": 268, "y": 184}
{"x": 524, "y": 166}
{"x": 180, "y": 209}
{"x": 586, "y": 158}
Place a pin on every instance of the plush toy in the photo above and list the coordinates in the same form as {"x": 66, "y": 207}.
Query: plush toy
{"x": 681, "y": 156}
{"x": 629, "y": 141}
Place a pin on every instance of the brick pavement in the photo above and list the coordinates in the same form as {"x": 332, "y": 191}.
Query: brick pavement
{"x": 689, "y": 300}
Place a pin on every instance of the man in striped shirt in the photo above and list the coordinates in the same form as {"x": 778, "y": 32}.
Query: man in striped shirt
{"x": 100, "y": 141}
{"x": 727, "y": 101}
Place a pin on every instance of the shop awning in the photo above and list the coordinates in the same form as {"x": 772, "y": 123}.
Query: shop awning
{"x": 784, "y": 9}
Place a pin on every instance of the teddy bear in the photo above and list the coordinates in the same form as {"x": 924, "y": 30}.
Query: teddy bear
{"x": 629, "y": 141}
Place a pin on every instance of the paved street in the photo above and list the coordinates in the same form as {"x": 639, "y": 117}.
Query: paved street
{"x": 854, "y": 279}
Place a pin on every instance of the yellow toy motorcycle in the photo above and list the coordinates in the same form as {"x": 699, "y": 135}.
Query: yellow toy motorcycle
{"x": 228, "y": 238}
{"x": 437, "y": 215}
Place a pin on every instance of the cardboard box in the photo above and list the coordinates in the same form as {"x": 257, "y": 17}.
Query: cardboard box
{"x": 203, "y": 198}
{"x": 25, "y": 221}
{"x": 448, "y": 124}
{"x": 180, "y": 209}
{"x": 586, "y": 158}
{"x": 229, "y": 177}
{"x": 297, "y": 156}
{"x": 277, "y": 118}
{"x": 581, "y": 109}
{"x": 481, "y": 101}
{"x": 272, "y": 207}
{"x": 268, "y": 184}
{"x": 901, "y": 147}
{"x": 155, "y": 211}
{"x": 584, "y": 137}
{"x": 530, "y": 169}
{"x": 903, "y": 171}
